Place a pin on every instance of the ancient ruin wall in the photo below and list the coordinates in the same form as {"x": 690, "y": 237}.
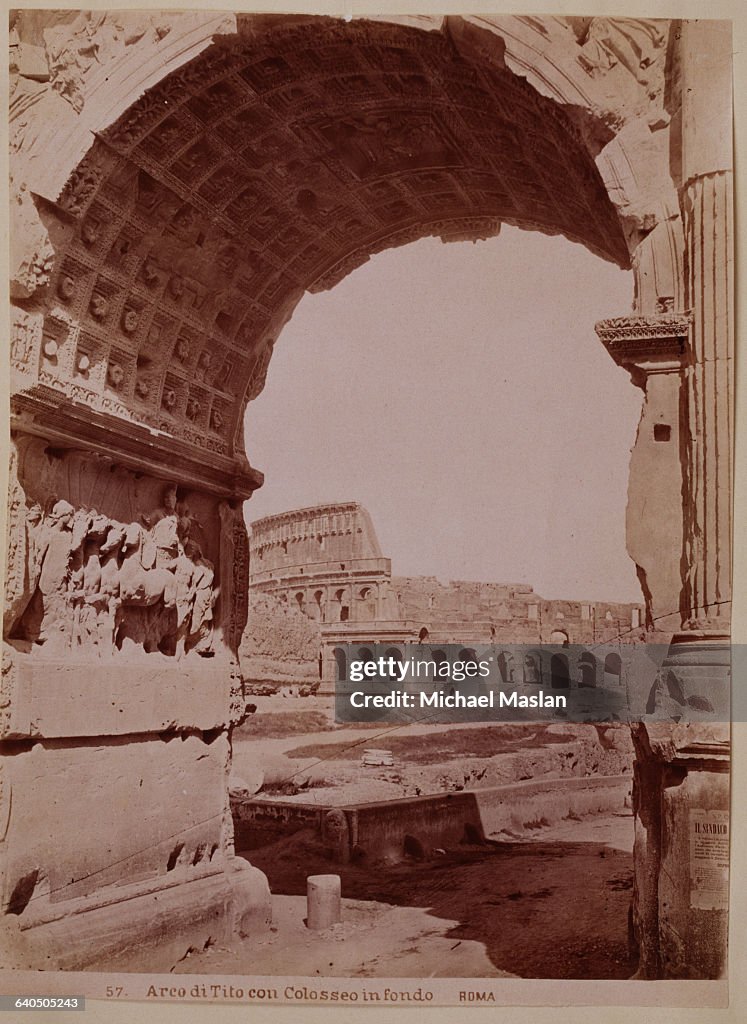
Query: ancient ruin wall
{"x": 310, "y": 537}
{"x": 281, "y": 645}
{"x": 506, "y": 610}
{"x": 325, "y": 562}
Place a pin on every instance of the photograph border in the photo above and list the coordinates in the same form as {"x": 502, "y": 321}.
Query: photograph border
{"x": 614, "y": 997}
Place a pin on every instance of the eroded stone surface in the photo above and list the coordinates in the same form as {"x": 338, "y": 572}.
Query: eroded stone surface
{"x": 106, "y": 563}
{"x": 140, "y": 775}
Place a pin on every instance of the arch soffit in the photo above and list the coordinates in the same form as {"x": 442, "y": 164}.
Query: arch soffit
{"x": 184, "y": 166}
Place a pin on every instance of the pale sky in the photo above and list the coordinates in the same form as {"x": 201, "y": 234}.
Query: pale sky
{"x": 459, "y": 393}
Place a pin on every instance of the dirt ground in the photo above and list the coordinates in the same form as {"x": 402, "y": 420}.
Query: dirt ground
{"x": 373, "y": 940}
{"x": 551, "y": 906}
{"x": 549, "y": 903}
{"x": 428, "y": 758}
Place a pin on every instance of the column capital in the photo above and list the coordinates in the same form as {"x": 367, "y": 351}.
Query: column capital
{"x": 646, "y": 340}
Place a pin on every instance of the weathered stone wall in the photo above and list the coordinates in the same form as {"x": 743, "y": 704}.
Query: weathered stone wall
{"x": 125, "y": 590}
{"x": 281, "y": 645}
{"x": 120, "y": 683}
{"x": 307, "y": 536}
{"x": 511, "y": 610}
{"x": 123, "y": 781}
{"x": 326, "y": 563}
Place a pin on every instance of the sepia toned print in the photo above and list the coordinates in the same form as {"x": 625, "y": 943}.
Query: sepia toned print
{"x": 176, "y": 796}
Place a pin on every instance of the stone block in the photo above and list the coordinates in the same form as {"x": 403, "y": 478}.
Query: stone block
{"x": 32, "y": 62}
{"x": 149, "y": 929}
{"x": 82, "y": 817}
{"x": 55, "y": 699}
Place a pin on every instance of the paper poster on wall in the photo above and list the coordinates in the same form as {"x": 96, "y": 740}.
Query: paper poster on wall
{"x": 709, "y": 859}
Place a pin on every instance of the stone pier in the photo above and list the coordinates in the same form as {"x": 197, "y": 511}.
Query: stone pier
{"x": 679, "y": 527}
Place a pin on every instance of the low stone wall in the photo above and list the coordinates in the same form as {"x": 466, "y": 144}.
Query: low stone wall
{"x": 388, "y": 829}
{"x": 548, "y": 801}
{"x": 259, "y": 822}
{"x": 391, "y": 828}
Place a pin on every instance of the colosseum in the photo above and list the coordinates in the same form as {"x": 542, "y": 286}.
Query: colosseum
{"x": 325, "y": 563}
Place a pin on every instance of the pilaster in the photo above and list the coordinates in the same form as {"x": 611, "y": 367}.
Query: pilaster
{"x": 654, "y": 351}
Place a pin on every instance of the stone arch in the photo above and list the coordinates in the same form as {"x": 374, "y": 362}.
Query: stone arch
{"x": 366, "y": 603}
{"x": 186, "y": 234}
{"x": 532, "y": 667}
{"x": 587, "y": 665}
{"x": 341, "y": 604}
{"x": 559, "y": 672}
{"x": 341, "y": 664}
{"x": 396, "y": 654}
{"x": 318, "y": 605}
{"x": 440, "y": 658}
{"x": 224, "y": 161}
{"x": 618, "y": 101}
{"x": 613, "y": 669}
{"x": 506, "y": 666}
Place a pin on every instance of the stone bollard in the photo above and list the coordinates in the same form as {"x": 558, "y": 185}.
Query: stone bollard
{"x": 322, "y": 901}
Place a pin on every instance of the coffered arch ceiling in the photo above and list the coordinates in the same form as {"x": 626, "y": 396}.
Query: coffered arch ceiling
{"x": 274, "y": 163}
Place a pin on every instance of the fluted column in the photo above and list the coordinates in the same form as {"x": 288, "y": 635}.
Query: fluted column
{"x": 682, "y": 770}
{"x": 706, "y": 202}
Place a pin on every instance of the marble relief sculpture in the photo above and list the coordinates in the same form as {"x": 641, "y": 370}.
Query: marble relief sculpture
{"x": 97, "y": 586}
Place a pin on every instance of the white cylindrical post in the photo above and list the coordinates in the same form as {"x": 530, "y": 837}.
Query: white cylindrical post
{"x": 322, "y": 901}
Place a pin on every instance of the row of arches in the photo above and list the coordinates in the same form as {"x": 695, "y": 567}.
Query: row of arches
{"x": 541, "y": 667}
{"x": 330, "y": 603}
{"x": 337, "y": 604}
{"x": 561, "y": 670}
